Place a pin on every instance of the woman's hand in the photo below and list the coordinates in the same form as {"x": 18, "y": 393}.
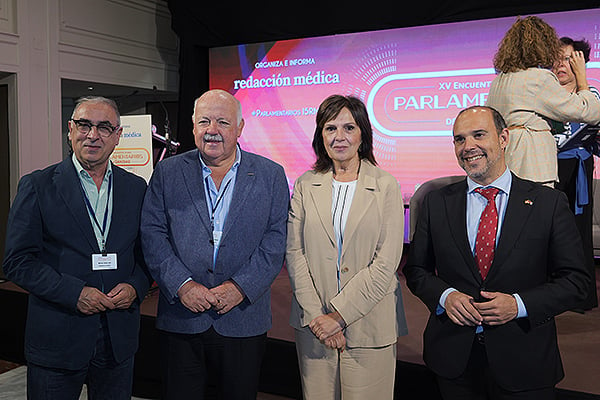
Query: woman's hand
{"x": 327, "y": 325}
{"x": 577, "y": 63}
{"x": 337, "y": 341}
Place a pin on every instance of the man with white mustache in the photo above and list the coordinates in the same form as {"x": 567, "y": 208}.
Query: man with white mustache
{"x": 491, "y": 333}
{"x": 214, "y": 235}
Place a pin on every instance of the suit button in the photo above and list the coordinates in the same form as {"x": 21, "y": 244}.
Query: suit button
{"x": 345, "y": 269}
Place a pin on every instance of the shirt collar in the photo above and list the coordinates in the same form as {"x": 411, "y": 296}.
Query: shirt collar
{"x": 504, "y": 182}
{"x": 238, "y": 158}
{"x": 82, "y": 172}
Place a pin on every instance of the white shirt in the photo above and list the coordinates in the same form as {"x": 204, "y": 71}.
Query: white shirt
{"x": 341, "y": 200}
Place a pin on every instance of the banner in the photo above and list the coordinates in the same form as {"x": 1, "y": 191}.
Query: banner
{"x": 414, "y": 82}
{"x": 134, "y": 152}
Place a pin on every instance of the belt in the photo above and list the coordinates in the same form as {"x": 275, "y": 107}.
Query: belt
{"x": 513, "y": 127}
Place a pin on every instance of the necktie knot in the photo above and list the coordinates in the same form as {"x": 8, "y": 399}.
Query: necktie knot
{"x": 489, "y": 193}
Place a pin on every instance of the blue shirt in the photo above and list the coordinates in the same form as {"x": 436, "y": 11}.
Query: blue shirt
{"x": 218, "y": 201}
{"x": 475, "y": 206}
{"x": 101, "y": 200}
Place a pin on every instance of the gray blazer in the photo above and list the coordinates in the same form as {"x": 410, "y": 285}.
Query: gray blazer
{"x": 176, "y": 235}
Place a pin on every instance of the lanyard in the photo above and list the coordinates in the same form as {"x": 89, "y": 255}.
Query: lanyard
{"x": 102, "y": 228}
{"x": 219, "y": 198}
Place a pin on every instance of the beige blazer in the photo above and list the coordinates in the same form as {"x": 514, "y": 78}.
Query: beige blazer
{"x": 525, "y": 98}
{"x": 370, "y": 300}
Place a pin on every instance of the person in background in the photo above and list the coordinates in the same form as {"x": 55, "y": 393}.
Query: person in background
{"x": 576, "y": 160}
{"x": 73, "y": 244}
{"x": 494, "y": 258}
{"x": 213, "y": 233}
{"x": 345, "y": 236}
{"x": 528, "y": 94}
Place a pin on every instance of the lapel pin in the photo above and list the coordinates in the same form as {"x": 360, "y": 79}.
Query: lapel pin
{"x": 528, "y": 202}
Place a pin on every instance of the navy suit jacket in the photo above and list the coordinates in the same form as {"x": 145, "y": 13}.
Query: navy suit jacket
{"x": 176, "y": 235}
{"x": 539, "y": 256}
{"x": 49, "y": 244}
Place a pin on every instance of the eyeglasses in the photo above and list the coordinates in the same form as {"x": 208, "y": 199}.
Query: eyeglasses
{"x": 104, "y": 129}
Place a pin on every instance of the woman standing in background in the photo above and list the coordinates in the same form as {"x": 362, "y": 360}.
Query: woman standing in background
{"x": 527, "y": 94}
{"x": 576, "y": 164}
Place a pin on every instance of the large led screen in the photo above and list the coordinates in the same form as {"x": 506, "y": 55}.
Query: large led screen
{"x": 413, "y": 80}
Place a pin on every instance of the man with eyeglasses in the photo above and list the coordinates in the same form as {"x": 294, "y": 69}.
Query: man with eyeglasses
{"x": 72, "y": 243}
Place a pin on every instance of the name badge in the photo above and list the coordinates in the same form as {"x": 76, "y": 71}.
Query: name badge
{"x": 104, "y": 262}
{"x": 217, "y": 238}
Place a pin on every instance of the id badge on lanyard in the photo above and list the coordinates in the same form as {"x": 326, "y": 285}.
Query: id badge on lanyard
{"x": 104, "y": 261}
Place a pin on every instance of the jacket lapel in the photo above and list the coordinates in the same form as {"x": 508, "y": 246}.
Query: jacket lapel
{"x": 192, "y": 178}
{"x": 320, "y": 194}
{"x": 456, "y": 209}
{"x": 121, "y": 210}
{"x": 244, "y": 183}
{"x": 363, "y": 197}
{"x": 69, "y": 188}
{"x": 518, "y": 209}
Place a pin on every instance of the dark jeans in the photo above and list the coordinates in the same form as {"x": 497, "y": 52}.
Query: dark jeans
{"x": 105, "y": 378}
{"x": 194, "y": 364}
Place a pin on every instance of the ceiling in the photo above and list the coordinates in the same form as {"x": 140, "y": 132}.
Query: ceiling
{"x": 221, "y": 23}
{"x": 74, "y": 89}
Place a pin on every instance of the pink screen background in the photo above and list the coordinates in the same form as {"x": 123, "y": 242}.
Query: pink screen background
{"x": 413, "y": 80}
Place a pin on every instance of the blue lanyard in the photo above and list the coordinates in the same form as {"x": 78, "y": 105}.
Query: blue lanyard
{"x": 219, "y": 198}
{"x": 102, "y": 228}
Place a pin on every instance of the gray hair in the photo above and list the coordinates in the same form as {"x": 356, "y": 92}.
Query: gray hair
{"x": 97, "y": 99}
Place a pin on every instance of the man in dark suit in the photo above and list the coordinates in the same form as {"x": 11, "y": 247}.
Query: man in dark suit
{"x": 73, "y": 244}
{"x": 491, "y": 333}
{"x": 214, "y": 235}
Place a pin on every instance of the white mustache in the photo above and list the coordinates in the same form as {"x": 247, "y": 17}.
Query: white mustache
{"x": 212, "y": 138}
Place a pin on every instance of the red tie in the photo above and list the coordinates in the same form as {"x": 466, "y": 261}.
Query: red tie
{"x": 486, "y": 233}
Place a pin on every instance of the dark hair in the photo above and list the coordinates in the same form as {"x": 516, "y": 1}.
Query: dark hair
{"x": 578, "y": 45}
{"x": 529, "y": 42}
{"x": 499, "y": 122}
{"x": 329, "y": 109}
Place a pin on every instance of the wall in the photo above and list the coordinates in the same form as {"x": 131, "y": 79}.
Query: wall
{"x": 120, "y": 42}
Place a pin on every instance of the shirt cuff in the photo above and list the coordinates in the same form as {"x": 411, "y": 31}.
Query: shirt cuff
{"x": 440, "y": 308}
{"x": 180, "y": 286}
{"x": 522, "y": 311}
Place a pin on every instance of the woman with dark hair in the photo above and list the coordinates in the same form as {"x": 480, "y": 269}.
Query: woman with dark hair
{"x": 345, "y": 237}
{"x": 528, "y": 94}
{"x": 576, "y": 162}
